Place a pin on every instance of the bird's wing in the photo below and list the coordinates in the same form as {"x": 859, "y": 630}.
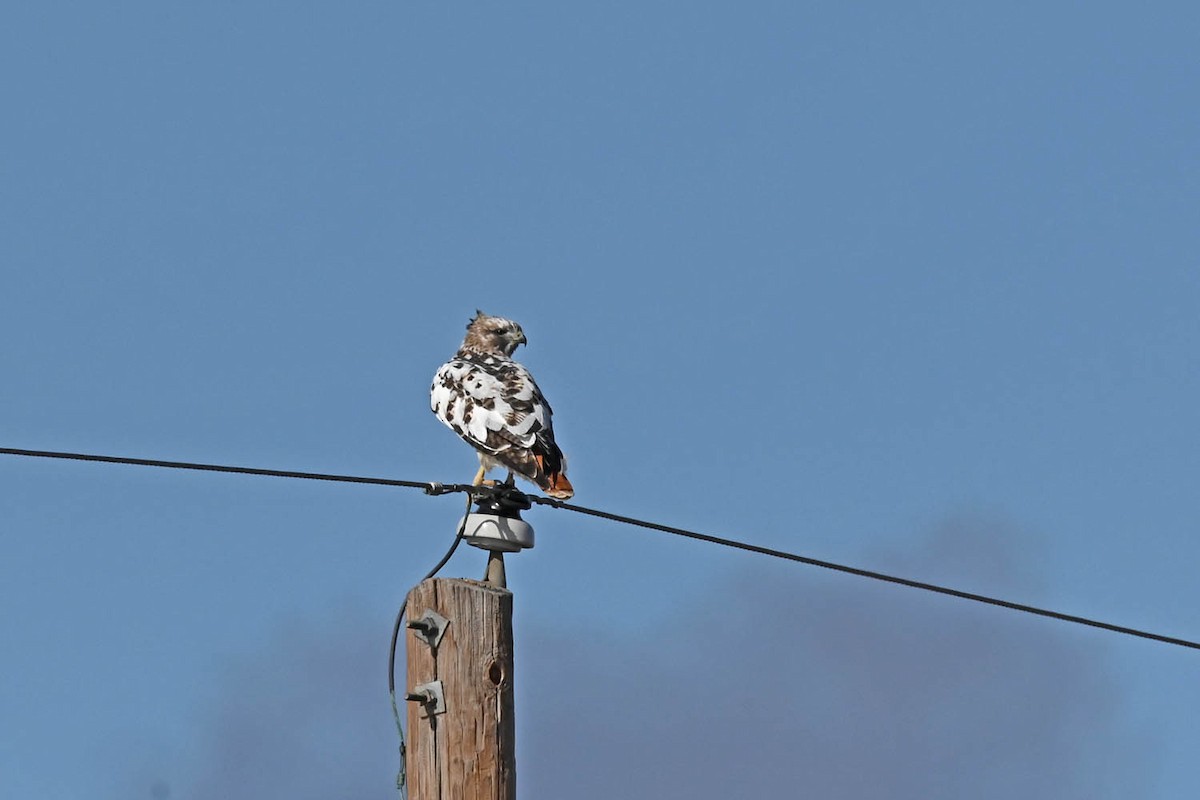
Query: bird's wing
{"x": 493, "y": 404}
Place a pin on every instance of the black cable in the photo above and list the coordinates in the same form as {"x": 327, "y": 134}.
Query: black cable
{"x": 458, "y": 537}
{"x": 431, "y": 488}
{"x": 865, "y": 573}
{"x": 402, "y": 775}
{"x": 462, "y": 528}
{"x": 434, "y": 488}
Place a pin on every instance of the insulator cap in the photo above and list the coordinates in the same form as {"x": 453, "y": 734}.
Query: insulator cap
{"x": 493, "y": 532}
{"x": 496, "y": 523}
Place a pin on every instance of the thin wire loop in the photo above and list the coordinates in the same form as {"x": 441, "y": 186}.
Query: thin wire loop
{"x": 402, "y": 775}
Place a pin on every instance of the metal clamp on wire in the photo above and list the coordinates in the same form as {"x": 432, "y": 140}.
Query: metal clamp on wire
{"x": 496, "y": 523}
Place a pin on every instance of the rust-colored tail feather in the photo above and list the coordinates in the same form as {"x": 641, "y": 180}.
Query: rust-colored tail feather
{"x": 554, "y": 484}
{"x": 559, "y": 487}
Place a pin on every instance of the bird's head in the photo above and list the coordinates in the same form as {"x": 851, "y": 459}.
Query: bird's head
{"x": 489, "y": 334}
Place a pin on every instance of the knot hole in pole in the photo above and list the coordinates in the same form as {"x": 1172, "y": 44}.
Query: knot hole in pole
{"x": 495, "y": 673}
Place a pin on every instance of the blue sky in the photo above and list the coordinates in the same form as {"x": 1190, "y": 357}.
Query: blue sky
{"x": 913, "y": 288}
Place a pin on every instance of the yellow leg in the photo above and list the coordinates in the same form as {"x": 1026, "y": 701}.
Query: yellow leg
{"x": 479, "y": 477}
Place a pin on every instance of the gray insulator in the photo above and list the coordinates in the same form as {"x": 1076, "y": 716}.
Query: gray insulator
{"x": 503, "y": 534}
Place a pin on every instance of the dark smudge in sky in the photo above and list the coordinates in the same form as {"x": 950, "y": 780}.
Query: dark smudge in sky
{"x": 788, "y": 682}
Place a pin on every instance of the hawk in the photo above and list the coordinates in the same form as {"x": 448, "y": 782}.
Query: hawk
{"x": 493, "y": 403}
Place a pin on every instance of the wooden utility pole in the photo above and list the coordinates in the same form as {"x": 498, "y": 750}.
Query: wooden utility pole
{"x": 460, "y": 690}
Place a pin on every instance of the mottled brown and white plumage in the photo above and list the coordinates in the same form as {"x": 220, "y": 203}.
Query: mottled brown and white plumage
{"x": 493, "y": 403}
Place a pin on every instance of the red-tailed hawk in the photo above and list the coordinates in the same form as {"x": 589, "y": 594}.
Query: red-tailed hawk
{"x": 493, "y": 403}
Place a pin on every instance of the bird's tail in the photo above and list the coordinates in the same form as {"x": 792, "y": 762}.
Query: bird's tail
{"x": 558, "y": 487}
{"x": 554, "y": 482}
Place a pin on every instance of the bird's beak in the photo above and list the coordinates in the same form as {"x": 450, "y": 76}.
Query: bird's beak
{"x": 521, "y": 339}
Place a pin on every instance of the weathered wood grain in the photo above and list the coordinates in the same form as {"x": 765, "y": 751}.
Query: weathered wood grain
{"x": 468, "y": 752}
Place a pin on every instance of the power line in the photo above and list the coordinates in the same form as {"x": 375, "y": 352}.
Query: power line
{"x": 866, "y": 573}
{"x": 430, "y": 488}
{"x": 434, "y": 488}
